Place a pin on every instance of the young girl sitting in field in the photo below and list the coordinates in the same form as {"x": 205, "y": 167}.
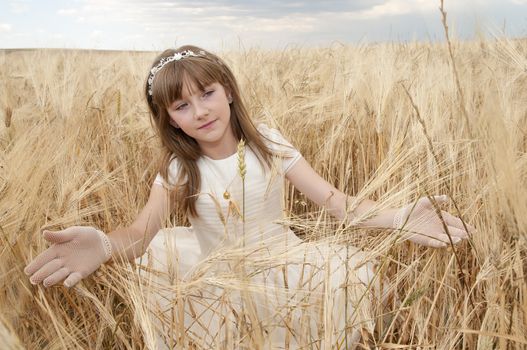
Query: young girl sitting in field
{"x": 290, "y": 293}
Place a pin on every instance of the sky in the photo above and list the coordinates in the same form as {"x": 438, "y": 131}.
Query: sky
{"x": 230, "y": 24}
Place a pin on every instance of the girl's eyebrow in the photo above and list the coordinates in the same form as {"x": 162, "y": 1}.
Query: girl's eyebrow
{"x": 176, "y": 102}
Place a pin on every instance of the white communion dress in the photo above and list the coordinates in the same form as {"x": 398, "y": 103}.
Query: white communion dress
{"x": 229, "y": 283}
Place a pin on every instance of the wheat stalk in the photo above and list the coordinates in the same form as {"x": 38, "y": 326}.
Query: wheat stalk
{"x": 8, "y": 116}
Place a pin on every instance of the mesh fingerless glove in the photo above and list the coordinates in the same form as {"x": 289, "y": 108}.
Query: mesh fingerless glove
{"x": 75, "y": 253}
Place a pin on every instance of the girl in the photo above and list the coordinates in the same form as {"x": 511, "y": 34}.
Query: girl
{"x": 308, "y": 293}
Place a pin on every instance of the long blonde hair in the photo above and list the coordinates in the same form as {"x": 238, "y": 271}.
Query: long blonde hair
{"x": 167, "y": 87}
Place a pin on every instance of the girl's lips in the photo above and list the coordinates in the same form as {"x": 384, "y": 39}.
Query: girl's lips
{"x": 205, "y": 126}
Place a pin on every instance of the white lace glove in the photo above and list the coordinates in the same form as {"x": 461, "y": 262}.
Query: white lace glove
{"x": 75, "y": 253}
{"x": 422, "y": 225}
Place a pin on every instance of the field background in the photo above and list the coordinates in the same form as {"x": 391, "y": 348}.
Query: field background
{"x": 387, "y": 122}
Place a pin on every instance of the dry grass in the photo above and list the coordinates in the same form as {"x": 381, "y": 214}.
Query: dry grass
{"x": 382, "y": 122}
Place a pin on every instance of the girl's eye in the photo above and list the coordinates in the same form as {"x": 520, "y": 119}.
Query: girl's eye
{"x": 181, "y": 106}
{"x": 208, "y": 93}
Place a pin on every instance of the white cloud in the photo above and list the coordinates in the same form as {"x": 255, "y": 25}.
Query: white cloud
{"x": 5, "y": 27}
{"x": 96, "y": 34}
{"x": 19, "y": 6}
{"x": 237, "y": 15}
{"x": 67, "y": 12}
{"x": 396, "y": 8}
{"x": 292, "y": 23}
{"x": 267, "y": 23}
{"x": 134, "y": 37}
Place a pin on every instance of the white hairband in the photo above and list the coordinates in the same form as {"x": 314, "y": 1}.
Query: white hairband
{"x": 175, "y": 57}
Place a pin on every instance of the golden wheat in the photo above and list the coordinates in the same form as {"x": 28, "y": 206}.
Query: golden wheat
{"x": 70, "y": 156}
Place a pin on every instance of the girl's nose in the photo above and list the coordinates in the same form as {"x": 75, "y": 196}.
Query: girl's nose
{"x": 200, "y": 110}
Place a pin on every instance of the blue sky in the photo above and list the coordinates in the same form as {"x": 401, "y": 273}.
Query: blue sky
{"x": 217, "y": 24}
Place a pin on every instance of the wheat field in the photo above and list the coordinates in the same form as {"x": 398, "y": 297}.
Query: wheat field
{"x": 389, "y": 122}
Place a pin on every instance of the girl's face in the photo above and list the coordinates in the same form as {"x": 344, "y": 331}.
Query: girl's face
{"x": 205, "y": 116}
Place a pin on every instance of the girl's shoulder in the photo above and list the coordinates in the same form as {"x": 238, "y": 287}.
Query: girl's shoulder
{"x": 279, "y": 146}
{"x": 173, "y": 173}
{"x": 273, "y": 138}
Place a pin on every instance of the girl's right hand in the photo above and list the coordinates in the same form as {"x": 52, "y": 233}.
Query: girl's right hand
{"x": 75, "y": 253}
{"x": 422, "y": 224}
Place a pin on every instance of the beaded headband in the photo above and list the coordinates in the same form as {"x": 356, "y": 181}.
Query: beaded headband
{"x": 176, "y": 57}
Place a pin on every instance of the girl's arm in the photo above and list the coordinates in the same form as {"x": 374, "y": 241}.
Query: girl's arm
{"x": 311, "y": 184}
{"x": 131, "y": 242}
{"x": 78, "y": 251}
{"x": 419, "y": 221}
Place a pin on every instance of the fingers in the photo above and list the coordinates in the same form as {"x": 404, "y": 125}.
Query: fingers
{"x": 450, "y": 219}
{"x": 50, "y": 253}
{"x": 441, "y": 199}
{"x": 42, "y": 259}
{"x": 441, "y": 241}
{"x": 72, "y": 279}
{"x": 60, "y": 236}
{"x": 45, "y": 271}
{"x": 56, "y": 277}
{"x": 456, "y": 232}
{"x": 435, "y": 240}
{"x": 456, "y": 222}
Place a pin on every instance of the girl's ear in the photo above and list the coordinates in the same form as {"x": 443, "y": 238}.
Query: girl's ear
{"x": 229, "y": 95}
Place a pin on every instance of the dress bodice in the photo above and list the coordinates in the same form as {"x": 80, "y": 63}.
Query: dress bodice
{"x": 219, "y": 219}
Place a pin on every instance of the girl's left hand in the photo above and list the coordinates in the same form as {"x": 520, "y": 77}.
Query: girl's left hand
{"x": 421, "y": 224}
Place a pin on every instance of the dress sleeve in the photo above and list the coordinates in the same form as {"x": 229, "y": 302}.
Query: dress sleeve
{"x": 280, "y": 146}
{"x": 173, "y": 170}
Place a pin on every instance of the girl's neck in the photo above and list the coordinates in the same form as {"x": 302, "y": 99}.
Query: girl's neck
{"x": 220, "y": 151}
